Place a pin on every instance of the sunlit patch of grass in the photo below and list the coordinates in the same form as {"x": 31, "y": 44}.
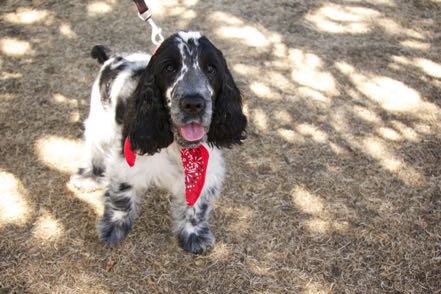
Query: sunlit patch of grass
{"x": 430, "y": 67}
{"x": 59, "y": 153}
{"x": 242, "y": 216}
{"x": 313, "y": 132}
{"x": 315, "y": 95}
{"x": 337, "y": 149}
{"x": 98, "y": 8}
{"x": 93, "y": 199}
{"x": 324, "y": 225}
{"x": 390, "y": 94}
{"x": 47, "y": 228}
{"x": 308, "y": 71}
{"x": 321, "y": 219}
{"x": 10, "y": 75}
{"x": 221, "y": 252}
{"x": 15, "y": 48}
{"x": 339, "y": 19}
{"x": 74, "y": 115}
{"x": 407, "y": 132}
{"x": 226, "y": 18}
{"x": 260, "y": 119}
{"x": 366, "y": 114}
{"x": 290, "y": 136}
{"x": 263, "y": 91}
{"x": 314, "y": 288}
{"x": 189, "y": 3}
{"x": 379, "y": 150}
{"x": 415, "y": 44}
{"x": 229, "y": 27}
{"x": 389, "y": 3}
{"x": 14, "y": 208}
{"x": 245, "y": 69}
{"x": 259, "y": 267}
{"x": 66, "y": 30}
{"x": 389, "y": 134}
{"x": 343, "y": 19}
{"x": 306, "y": 201}
{"x": 26, "y": 16}
{"x": 61, "y": 99}
{"x": 248, "y": 34}
{"x": 283, "y": 117}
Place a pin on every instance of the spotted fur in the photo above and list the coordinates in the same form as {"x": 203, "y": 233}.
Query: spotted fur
{"x": 141, "y": 97}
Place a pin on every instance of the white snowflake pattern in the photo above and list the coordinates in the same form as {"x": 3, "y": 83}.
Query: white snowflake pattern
{"x": 193, "y": 166}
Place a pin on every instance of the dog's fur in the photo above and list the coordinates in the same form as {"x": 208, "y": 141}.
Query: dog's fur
{"x": 140, "y": 97}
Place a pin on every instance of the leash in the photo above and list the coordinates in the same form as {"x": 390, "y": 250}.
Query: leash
{"x": 144, "y": 13}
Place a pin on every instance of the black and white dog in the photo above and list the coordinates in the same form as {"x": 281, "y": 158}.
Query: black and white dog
{"x": 182, "y": 96}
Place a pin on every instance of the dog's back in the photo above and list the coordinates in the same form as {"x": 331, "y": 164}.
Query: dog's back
{"x": 116, "y": 81}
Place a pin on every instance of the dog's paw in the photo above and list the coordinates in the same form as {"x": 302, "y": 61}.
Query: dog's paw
{"x": 85, "y": 183}
{"x": 113, "y": 232}
{"x": 199, "y": 241}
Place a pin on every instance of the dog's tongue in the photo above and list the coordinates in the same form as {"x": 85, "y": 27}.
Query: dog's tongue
{"x": 192, "y": 132}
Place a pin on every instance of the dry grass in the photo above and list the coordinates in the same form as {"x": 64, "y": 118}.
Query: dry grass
{"x": 336, "y": 190}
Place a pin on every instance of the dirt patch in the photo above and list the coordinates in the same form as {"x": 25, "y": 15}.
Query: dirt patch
{"x": 337, "y": 189}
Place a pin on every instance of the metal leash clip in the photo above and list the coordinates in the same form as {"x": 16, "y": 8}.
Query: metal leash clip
{"x": 145, "y": 14}
{"x": 157, "y": 37}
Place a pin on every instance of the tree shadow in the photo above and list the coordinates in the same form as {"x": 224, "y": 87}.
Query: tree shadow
{"x": 336, "y": 188}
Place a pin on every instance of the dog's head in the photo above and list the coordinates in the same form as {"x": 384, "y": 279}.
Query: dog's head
{"x": 186, "y": 94}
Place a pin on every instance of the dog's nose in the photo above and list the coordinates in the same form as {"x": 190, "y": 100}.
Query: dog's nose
{"x": 192, "y": 104}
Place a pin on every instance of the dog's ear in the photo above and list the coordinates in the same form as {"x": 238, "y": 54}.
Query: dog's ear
{"x": 101, "y": 53}
{"x": 146, "y": 121}
{"x": 228, "y": 123}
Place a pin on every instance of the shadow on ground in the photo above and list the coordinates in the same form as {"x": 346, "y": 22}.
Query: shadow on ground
{"x": 335, "y": 190}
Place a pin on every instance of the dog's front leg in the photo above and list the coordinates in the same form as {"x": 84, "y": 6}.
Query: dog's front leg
{"x": 191, "y": 223}
{"x": 120, "y": 210}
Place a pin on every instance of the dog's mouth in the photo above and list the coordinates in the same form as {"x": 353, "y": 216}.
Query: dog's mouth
{"x": 191, "y": 134}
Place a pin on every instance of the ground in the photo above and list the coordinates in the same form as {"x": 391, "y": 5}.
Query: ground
{"x": 336, "y": 190}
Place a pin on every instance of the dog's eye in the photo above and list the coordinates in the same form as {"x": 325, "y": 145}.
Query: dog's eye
{"x": 211, "y": 69}
{"x": 170, "y": 68}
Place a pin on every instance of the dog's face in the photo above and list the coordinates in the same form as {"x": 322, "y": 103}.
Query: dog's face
{"x": 189, "y": 78}
{"x": 186, "y": 94}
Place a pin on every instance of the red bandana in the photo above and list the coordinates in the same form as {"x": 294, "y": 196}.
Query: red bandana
{"x": 195, "y": 162}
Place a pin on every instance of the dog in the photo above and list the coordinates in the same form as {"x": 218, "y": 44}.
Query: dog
{"x": 182, "y": 96}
